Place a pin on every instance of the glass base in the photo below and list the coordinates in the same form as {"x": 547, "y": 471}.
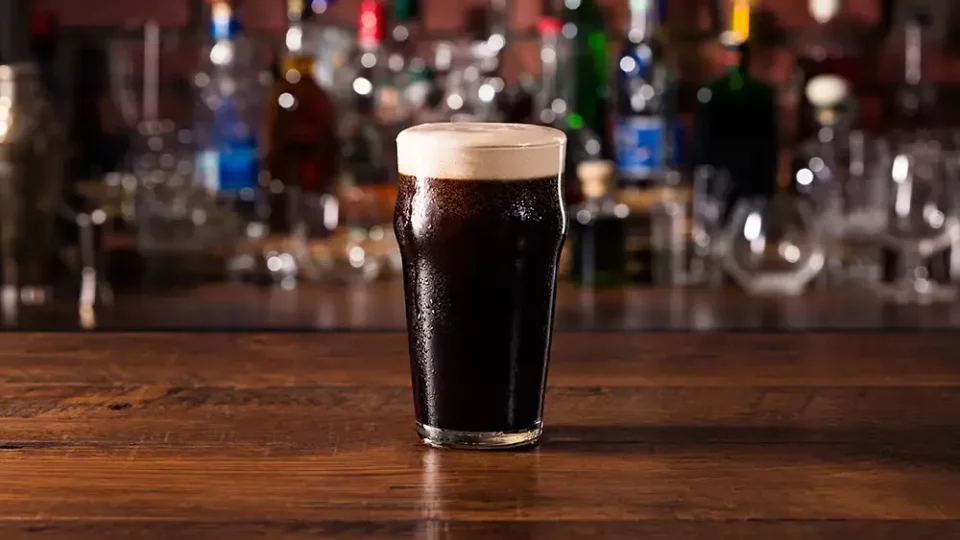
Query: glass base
{"x": 479, "y": 440}
{"x": 917, "y": 291}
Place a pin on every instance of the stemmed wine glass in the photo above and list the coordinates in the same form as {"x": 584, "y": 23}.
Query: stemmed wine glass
{"x": 711, "y": 189}
{"x": 921, "y": 218}
{"x": 774, "y": 246}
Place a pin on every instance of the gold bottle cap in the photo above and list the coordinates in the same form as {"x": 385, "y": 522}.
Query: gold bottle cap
{"x": 595, "y": 176}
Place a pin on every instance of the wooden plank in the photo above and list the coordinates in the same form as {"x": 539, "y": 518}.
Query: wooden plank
{"x": 648, "y": 436}
{"x": 579, "y": 359}
{"x": 391, "y": 530}
{"x": 629, "y": 481}
{"x": 379, "y": 305}
{"x": 298, "y": 420}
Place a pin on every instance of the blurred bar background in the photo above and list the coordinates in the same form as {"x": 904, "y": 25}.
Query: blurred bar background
{"x": 230, "y": 164}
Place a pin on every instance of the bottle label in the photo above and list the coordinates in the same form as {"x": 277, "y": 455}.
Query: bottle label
{"x": 639, "y": 147}
{"x": 208, "y": 170}
{"x": 230, "y": 169}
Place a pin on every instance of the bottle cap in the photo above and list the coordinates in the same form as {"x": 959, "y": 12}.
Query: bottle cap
{"x": 549, "y": 26}
{"x": 295, "y": 9}
{"x": 370, "y": 23}
{"x": 223, "y": 23}
{"x": 594, "y": 177}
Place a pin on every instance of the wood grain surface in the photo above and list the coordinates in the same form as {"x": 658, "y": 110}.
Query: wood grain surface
{"x": 379, "y": 305}
{"x": 307, "y": 435}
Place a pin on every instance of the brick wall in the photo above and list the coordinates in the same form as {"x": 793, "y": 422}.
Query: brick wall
{"x": 438, "y": 14}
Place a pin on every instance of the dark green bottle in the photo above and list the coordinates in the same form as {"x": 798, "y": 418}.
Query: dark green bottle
{"x": 736, "y": 120}
{"x": 587, "y": 81}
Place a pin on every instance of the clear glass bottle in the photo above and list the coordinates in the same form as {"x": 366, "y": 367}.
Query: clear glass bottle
{"x": 597, "y": 230}
{"x": 366, "y": 126}
{"x": 551, "y": 105}
{"x": 231, "y": 95}
{"x": 407, "y": 68}
{"x": 302, "y": 157}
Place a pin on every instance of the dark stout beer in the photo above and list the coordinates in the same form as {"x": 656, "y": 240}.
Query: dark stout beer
{"x": 480, "y": 255}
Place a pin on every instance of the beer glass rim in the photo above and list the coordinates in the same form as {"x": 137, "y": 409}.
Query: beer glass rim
{"x": 432, "y": 132}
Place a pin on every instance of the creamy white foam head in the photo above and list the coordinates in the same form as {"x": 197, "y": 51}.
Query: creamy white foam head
{"x": 480, "y": 151}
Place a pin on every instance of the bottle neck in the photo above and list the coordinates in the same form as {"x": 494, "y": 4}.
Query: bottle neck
{"x": 405, "y": 11}
{"x": 296, "y": 16}
{"x": 741, "y": 12}
{"x": 370, "y": 25}
{"x": 550, "y": 88}
{"x": 913, "y": 54}
{"x": 296, "y": 12}
{"x": 644, "y": 20}
{"x": 223, "y": 23}
{"x": 549, "y": 28}
{"x": 736, "y": 57}
{"x": 735, "y": 41}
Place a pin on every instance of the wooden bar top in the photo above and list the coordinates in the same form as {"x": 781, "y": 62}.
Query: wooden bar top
{"x": 648, "y": 436}
{"x": 379, "y": 306}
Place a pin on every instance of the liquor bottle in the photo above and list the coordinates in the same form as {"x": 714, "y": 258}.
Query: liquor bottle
{"x": 598, "y": 230}
{"x": 329, "y": 42}
{"x": 736, "y": 118}
{"x": 490, "y": 92}
{"x": 374, "y": 114}
{"x": 225, "y": 127}
{"x": 303, "y": 148}
{"x": 407, "y": 69}
{"x": 550, "y": 90}
{"x": 587, "y": 82}
{"x": 44, "y": 38}
{"x": 31, "y": 166}
{"x": 643, "y": 131}
{"x": 405, "y": 27}
{"x": 478, "y": 78}
{"x": 551, "y": 105}
{"x": 831, "y": 51}
{"x": 15, "y": 45}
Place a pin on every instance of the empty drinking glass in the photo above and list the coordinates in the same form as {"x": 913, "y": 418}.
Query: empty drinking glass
{"x": 920, "y": 218}
{"x": 711, "y": 189}
{"x": 773, "y": 246}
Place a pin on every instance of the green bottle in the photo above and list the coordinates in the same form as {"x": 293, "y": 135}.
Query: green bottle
{"x": 587, "y": 84}
{"x": 736, "y": 118}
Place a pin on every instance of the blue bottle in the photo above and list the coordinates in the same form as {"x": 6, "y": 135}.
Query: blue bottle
{"x": 644, "y": 128}
{"x": 228, "y": 157}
